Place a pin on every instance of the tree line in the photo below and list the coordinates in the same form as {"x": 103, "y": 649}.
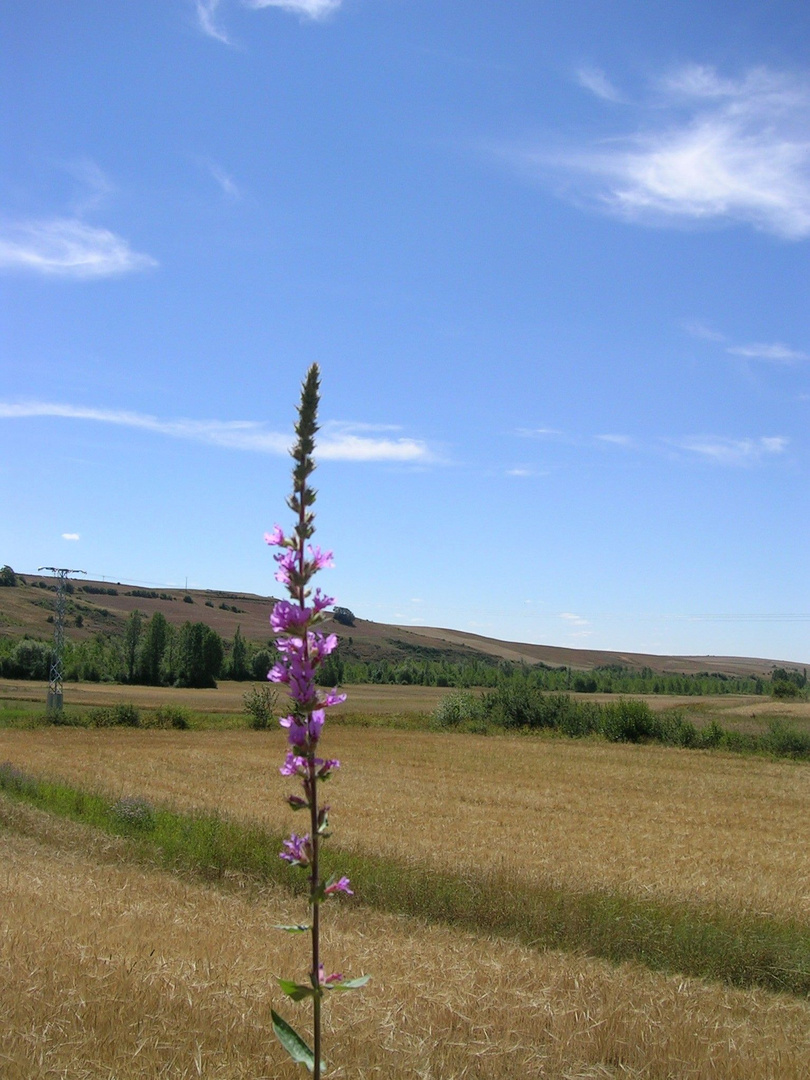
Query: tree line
{"x": 607, "y": 679}
{"x": 150, "y": 652}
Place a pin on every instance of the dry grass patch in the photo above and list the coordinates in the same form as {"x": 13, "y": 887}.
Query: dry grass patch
{"x": 109, "y": 970}
{"x": 705, "y": 828}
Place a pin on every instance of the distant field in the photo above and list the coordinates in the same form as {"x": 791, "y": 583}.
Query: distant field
{"x": 745, "y": 713}
{"x": 227, "y": 698}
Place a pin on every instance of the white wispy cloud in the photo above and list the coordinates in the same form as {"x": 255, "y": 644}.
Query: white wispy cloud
{"x": 229, "y": 187}
{"x": 574, "y": 620}
{"x": 776, "y": 352}
{"x": 311, "y": 9}
{"x": 697, "y": 329}
{"x": 67, "y": 247}
{"x": 711, "y": 149}
{"x": 207, "y": 20}
{"x": 597, "y": 82}
{"x": 338, "y": 442}
{"x": 724, "y": 451}
{"x": 580, "y": 627}
{"x": 70, "y": 536}
{"x": 539, "y": 433}
{"x": 617, "y": 440}
{"x": 94, "y": 186}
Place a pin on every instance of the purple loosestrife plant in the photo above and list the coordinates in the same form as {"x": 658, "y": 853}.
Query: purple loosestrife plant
{"x": 302, "y": 649}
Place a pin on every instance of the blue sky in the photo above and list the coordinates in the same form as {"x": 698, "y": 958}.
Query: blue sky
{"x": 553, "y": 262}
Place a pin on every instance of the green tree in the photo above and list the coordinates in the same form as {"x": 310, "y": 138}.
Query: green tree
{"x": 7, "y": 576}
{"x": 239, "y": 667}
{"x": 261, "y": 663}
{"x": 199, "y": 655}
{"x": 153, "y": 648}
{"x": 132, "y": 639}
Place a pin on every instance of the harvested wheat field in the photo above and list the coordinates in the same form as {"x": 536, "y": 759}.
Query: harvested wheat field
{"x": 684, "y": 825}
{"x": 109, "y": 970}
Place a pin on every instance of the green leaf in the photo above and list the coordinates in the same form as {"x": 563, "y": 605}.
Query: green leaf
{"x": 297, "y": 991}
{"x": 298, "y": 928}
{"x": 293, "y": 1043}
{"x": 352, "y": 984}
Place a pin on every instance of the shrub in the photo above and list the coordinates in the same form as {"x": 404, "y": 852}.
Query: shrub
{"x": 167, "y": 716}
{"x": 28, "y": 660}
{"x": 628, "y": 721}
{"x": 7, "y": 577}
{"x": 711, "y": 736}
{"x": 785, "y": 741}
{"x": 514, "y": 705}
{"x": 261, "y": 705}
{"x": 461, "y": 706}
{"x": 573, "y": 718}
{"x": 675, "y": 730}
{"x": 133, "y": 813}
{"x": 785, "y": 689}
{"x": 343, "y": 615}
{"x": 188, "y": 599}
{"x": 124, "y": 714}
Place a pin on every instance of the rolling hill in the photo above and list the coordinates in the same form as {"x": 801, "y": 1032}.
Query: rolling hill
{"x": 104, "y": 606}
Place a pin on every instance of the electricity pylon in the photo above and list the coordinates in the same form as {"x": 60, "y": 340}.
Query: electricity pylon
{"x": 55, "y": 677}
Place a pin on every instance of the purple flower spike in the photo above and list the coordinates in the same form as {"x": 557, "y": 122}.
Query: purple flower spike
{"x": 276, "y": 538}
{"x": 301, "y": 650}
{"x": 334, "y": 698}
{"x": 320, "y": 559}
{"x": 342, "y": 885}
{"x": 298, "y": 850}
{"x": 293, "y": 765}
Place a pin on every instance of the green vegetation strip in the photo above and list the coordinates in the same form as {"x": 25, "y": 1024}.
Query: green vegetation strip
{"x": 741, "y": 950}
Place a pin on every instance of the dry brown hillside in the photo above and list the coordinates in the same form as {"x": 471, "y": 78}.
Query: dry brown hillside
{"x": 105, "y": 606}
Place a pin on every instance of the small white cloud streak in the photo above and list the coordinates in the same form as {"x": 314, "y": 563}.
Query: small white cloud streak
{"x": 735, "y": 150}
{"x": 310, "y": 9}
{"x": 67, "y": 247}
{"x": 206, "y": 20}
{"x": 229, "y": 187}
{"x": 617, "y": 440}
{"x": 96, "y": 186}
{"x": 598, "y": 83}
{"x": 776, "y": 352}
{"x": 70, "y": 536}
{"x": 538, "y": 433}
{"x": 574, "y": 620}
{"x": 700, "y": 330}
{"x": 723, "y": 451}
{"x": 343, "y": 445}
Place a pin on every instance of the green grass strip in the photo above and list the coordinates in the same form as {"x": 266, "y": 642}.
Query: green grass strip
{"x": 740, "y": 950}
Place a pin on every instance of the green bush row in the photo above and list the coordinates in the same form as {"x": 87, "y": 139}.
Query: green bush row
{"x": 516, "y": 706}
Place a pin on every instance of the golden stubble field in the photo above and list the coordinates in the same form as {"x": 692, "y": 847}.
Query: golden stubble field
{"x": 651, "y": 821}
{"x": 108, "y": 969}
{"x": 112, "y": 970}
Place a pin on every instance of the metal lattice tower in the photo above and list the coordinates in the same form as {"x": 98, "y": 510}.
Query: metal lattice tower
{"x": 55, "y": 678}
